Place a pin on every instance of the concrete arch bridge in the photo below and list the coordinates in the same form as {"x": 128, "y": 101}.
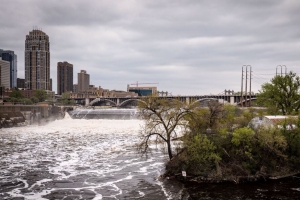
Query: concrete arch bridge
{"x": 129, "y": 102}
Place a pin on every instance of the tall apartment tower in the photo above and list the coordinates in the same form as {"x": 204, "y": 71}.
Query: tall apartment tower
{"x": 4, "y": 73}
{"x": 20, "y": 83}
{"x": 75, "y": 88}
{"x": 64, "y": 77}
{"x": 37, "y": 60}
{"x": 83, "y": 81}
{"x": 11, "y": 57}
{"x": 50, "y": 86}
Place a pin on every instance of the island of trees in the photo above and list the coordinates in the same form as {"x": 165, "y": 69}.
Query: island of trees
{"x": 215, "y": 143}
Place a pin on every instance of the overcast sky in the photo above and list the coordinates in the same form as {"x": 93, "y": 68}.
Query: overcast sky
{"x": 188, "y": 47}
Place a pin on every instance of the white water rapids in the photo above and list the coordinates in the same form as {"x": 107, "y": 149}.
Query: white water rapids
{"x": 80, "y": 159}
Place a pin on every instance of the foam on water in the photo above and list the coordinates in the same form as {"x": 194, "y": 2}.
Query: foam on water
{"x": 81, "y": 158}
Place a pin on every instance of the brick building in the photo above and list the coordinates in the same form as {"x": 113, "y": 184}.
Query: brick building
{"x": 37, "y": 60}
{"x": 64, "y": 77}
{"x": 83, "y": 81}
{"x": 20, "y": 83}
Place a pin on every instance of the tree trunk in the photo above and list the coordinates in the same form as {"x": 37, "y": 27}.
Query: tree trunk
{"x": 169, "y": 149}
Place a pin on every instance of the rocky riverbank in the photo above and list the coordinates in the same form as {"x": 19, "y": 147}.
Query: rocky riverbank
{"x": 10, "y": 119}
{"x": 225, "y": 174}
{"x": 22, "y": 115}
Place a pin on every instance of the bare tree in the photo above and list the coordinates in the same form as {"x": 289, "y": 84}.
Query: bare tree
{"x": 208, "y": 117}
{"x": 162, "y": 118}
{"x": 215, "y": 113}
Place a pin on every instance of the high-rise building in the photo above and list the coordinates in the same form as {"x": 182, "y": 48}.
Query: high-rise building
{"x": 50, "y": 87}
{"x": 4, "y": 73}
{"x": 64, "y": 77}
{"x": 20, "y": 83}
{"x": 11, "y": 57}
{"x": 75, "y": 88}
{"x": 83, "y": 81}
{"x": 37, "y": 60}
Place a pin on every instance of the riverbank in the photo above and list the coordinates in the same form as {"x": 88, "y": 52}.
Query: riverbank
{"x": 217, "y": 159}
{"x": 193, "y": 180}
{"x": 22, "y": 115}
{"x": 284, "y": 189}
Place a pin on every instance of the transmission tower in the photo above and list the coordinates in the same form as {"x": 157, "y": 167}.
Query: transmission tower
{"x": 246, "y": 95}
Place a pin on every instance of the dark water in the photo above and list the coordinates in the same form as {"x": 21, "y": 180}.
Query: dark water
{"x": 276, "y": 189}
{"x": 96, "y": 159}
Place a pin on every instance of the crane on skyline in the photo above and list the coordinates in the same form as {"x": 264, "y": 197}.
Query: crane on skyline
{"x": 137, "y": 83}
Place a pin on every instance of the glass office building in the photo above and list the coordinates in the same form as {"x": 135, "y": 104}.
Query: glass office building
{"x": 142, "y": 91}
{"x": 11, "y": 57}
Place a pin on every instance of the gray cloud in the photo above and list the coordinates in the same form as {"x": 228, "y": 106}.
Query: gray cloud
{"x": 188, "y": 47}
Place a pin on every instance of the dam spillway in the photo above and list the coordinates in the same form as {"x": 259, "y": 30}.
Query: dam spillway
{"x": 123, "y": 114}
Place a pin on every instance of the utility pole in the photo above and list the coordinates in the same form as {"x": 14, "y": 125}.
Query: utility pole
{"x": 246, "y": 86}
{"x": 250, "y": 86}
{"x": 242, "y": 86}
{"x": 245, "y": 97}
{"x": 285, "y": 69}
{"x": 281, "y": 69}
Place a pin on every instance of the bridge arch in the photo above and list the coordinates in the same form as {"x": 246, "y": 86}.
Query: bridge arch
{"x": 246, "y": 101}
{"x": 97, "y": 100}
{"x": 124, "y": 103}
{"x": 207, "y": 99}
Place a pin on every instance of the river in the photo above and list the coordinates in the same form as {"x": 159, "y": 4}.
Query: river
{"x": 97, "y": 159}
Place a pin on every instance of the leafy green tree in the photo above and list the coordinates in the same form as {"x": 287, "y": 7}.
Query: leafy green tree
{"x": 14, "y": 99}
{"x": 72, "y": 102}
{"x": 198, "y": 122}
{"x": 229, "y": 116}
{"x": 34, "y": 99}
{"x": 65, "y": 99}
{"x": 282, "y": 94}
{"x": 41, "y": 95}
{"x": 242, "y": 138}
{"x": 26, "y": 101}
{"x": 202, "y": 155}
{"x": 163, "y": 118}
{"x": 272, "y": 141}
{"x": 291, "y": 130}
{"x": 16, "y": 94}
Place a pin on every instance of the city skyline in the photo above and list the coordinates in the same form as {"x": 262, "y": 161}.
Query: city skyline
{"x": 189, "y": 48}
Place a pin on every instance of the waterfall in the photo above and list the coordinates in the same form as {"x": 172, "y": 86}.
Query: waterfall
{"x": 104, "y": 114}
